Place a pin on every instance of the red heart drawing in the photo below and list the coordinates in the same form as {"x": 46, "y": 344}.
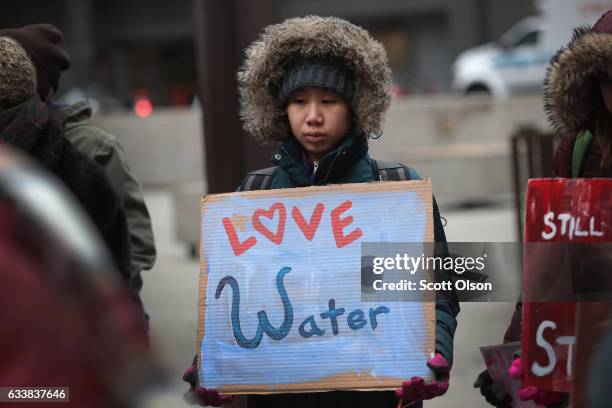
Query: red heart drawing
{"x": 263, "y": 230}
{"x": 238, "y": 247}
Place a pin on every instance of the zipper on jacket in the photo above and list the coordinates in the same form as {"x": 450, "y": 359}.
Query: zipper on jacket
{"x": 316, "y": 166}
{"x": 286, "y": 152}
{"x": 331, "y": 165}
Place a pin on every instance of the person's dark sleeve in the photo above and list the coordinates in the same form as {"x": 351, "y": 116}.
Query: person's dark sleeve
{"x": 106, "y": 151}
{"x": 92, "y": 187}
{"x": 112, "y": 158}
{"x": 562, "y": 162}
{"x": 447, "y": 304}
{"x": 513, "y": 332}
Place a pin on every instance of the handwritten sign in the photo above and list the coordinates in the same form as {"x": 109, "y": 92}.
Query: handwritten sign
{"x": 280, "y": 305}
{"x": 570, "y": 214}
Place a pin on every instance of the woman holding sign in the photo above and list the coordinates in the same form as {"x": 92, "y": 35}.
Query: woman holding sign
{"x": 578, "y": 99}
{"x": 578, "y": 102}
{"x": 319, "y": 87}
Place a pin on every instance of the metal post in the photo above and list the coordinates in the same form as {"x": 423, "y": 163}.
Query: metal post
{"x": 516, "y": 175}
{"x": 222, "y": 28}
{"x": 548, "y": 152}
{"x": 80, "y": 39}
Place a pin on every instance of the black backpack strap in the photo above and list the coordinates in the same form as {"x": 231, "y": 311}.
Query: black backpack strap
{"x": 259, "y": 179}
{"x": 387, "y": 171}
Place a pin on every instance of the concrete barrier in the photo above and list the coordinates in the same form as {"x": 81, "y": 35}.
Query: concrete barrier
{"x": 462, "y": 143}
{"x": 163, "y": 149}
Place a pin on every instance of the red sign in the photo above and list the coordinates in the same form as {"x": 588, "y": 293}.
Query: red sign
{"x": 559, "y": 211}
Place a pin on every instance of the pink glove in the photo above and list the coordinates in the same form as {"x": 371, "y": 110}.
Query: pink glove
{"x": 527, "y": 393}
{"x": 202, "y": 396}
{"x": 416, "y": 390}
{"x": 209, "y": 396}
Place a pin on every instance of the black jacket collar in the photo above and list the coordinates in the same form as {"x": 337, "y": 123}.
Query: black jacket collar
{"x": 331, "y": 167}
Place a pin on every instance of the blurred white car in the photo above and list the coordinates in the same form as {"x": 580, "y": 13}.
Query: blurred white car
{"x": 516, "y": 63}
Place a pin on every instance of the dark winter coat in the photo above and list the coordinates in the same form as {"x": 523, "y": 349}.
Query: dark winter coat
{"x": 104, "y": 149}
{"x": 37, "y": 129}
{"x": 65, "y": 316}
{"x": 265, "y": 119}
{"x": 590, "y": 168}
{"x": 350, "y": 163}
{"x": 571, "y": 97}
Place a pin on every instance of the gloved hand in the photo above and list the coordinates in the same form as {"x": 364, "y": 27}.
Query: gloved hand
{"x": 540, "y": 397}
{"x": 493, "y": 393}
{"x": 202, "y": 396}
{"x": 415, "y": 389}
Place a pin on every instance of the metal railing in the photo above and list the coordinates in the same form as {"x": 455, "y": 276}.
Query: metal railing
{"x": 532, "y": 157}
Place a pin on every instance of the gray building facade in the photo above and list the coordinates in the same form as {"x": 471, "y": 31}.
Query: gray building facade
{"x": 132, "y": 47}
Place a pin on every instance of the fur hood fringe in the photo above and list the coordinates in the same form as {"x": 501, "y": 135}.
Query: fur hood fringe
{"x": 304, "y": 37}
{"x": 570, "y": 86}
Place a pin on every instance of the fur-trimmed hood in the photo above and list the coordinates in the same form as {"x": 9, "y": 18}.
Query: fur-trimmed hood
{"x": 571, "y": 92}
{"x": 312, "y": 36}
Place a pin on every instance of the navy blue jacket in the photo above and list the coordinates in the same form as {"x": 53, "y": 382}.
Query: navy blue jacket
{"x": 350, "y": 163}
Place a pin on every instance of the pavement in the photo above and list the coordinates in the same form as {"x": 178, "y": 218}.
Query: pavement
{"x": 171, "y": 289}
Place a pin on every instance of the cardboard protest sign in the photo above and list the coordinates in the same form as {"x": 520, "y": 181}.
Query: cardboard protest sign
{"x": 280, "y": 306}
{"x": 498, "y": 360}
{"x": 572, "y": 216}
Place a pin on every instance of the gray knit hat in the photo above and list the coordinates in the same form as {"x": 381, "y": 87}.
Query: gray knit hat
{"x": 332, "y": 75}
{"x": 17, "y": 74}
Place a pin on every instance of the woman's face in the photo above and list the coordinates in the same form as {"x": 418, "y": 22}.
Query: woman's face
{"x": 319, "y": 120}
{"x": 605, "y": 87}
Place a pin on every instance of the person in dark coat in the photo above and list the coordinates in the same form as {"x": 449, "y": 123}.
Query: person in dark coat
{"x": 319, "y": 88}
{"x": 44, "y": 44}
{"x": 37, "y": 128}
{"x": 67, "y": 319}
{"x": 578, "y": 100}
{"x": 578, "y": 104}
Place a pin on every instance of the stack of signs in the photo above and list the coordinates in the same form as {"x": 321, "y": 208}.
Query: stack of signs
{"x": 498, "y": 360}
{"x": 567, "y": 222}
{"x": 280, "y": 306}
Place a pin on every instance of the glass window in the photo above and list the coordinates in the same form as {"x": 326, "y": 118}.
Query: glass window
{"x": 530, "y": 38}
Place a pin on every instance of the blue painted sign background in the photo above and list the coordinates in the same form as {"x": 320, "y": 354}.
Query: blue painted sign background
{"x": 280, "y": 290}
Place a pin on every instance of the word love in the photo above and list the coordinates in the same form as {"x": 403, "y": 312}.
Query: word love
{"x": 564, "y": 224}
{"x": 308, "y": 228}
{"x": 356, "y": 319}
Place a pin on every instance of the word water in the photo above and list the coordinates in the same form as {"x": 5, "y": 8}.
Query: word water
{"x": 356, "y": 319}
